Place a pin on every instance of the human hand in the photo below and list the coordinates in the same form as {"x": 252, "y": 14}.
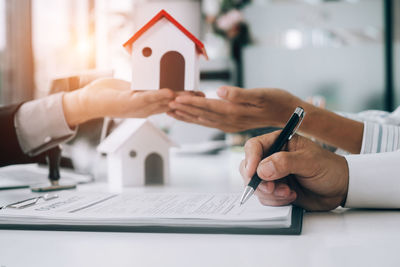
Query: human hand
{"x": 314, "y": 178}
{"x": 114, "y": 98}
{"x": 238, "y": 110}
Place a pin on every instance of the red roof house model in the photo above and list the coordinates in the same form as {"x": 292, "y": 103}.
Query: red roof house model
{"x": 163, "y": 14}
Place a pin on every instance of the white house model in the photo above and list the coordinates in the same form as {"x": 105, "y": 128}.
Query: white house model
{"x": 137, "y": 154}
{"x": 165, "y": 55}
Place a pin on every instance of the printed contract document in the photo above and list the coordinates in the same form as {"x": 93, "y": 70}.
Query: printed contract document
{"x": 148, "y": 209}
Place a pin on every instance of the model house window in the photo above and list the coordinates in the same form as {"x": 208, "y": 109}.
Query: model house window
{"x": 147, "y": 51}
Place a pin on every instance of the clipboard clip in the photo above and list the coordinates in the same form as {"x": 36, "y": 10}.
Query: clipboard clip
{"x": 30, "y": 201}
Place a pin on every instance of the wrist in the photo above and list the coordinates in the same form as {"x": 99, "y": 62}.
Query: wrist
{"x": 74, "y": 109}
{"x": 312, "y": 115}
{"x": 332, "y": 129}
{"x": 284, "y": 112}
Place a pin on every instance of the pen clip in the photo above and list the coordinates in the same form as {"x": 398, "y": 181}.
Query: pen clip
{"x": 301, "y": 113}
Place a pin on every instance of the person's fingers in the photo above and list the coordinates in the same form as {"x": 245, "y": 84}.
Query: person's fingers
{"x": 253, "y": 155}
{"x": 145, "y": 111}
{"x": 213, "y": 105}
{"x": 187, "y": 117}
{"x": 281, "y": 190}
{"x": 254, "y": 151}
{"x": 151, "y": 102}
{"x": 268, "y": 139}
{"x": 197, "y": 112}
{"x": 272, "y": 200}
{"x": 215, "y": 124}
{"x": 230, "y": 122}
{"x": 159, "y": 107}
{"x": 275, "y": 166}
{"x": 272, "y": 193}
{"x": 199, "y": 93}
{"x": 153, "y": 96}
{"x": 203, "y": 121}
{"x": 273, "y": 189}
{"x": 190, "y": 93}
{"x": 182, "y": 116}
{"x": 177, "y": 117}
{"x": 163, "y": 94}
{"x": 240, "y": 95}
{"x": 266, "y": 187}
{"x": 283, "y": 163}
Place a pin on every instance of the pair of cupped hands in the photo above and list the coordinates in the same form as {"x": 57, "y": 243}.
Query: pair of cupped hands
{"x": 314, "y": 178}
{"x": 110, "y": 97}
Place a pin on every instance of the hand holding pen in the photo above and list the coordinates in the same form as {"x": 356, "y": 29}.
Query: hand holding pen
{"x": 316, "y": 179}
{"x": 288, "y": 131}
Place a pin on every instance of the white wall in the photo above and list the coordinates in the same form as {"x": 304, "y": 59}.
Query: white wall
{"x": 348, "y": 77}
{"x": 349, "y": 73}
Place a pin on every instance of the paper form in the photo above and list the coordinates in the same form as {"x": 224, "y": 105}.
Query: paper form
{"x": 131, "y": 208}
{"x": 213, "y": 206}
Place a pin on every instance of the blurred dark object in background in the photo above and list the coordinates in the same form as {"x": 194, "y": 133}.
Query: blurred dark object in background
{"x": 230, "y": 24}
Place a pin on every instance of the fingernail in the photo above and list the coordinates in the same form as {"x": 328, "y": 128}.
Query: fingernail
{"x": 269, "y": 188}
{"x": 222, "y": 92}
{"x": 280, "y": 192}
{"x": 267, "y": 169}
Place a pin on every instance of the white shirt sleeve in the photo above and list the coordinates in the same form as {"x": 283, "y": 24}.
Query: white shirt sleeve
{"x": 381, "y": 130}
{"x": 374, "y": 180}
{"x": 379, "y": 138}
{"x": 40, "y": 125}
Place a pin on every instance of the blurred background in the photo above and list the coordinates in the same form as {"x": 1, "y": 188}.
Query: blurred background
{"x": 346, "y": 52}
{"x": 335, "y": 49}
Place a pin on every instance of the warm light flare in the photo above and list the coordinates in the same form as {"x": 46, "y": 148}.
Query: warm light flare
{"x": 83, "y": 47}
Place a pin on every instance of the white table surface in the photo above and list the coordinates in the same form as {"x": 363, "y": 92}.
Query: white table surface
{"x": 339, "y": 238}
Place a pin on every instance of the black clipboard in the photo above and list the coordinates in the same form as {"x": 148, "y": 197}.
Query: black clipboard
{"x": 294, "y": 229}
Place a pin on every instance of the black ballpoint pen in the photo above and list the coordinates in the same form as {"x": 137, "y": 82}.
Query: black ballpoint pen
{"x": 290, "y": 129}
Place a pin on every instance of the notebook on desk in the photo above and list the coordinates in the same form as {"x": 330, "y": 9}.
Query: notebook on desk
{"x": 152, "y": 212}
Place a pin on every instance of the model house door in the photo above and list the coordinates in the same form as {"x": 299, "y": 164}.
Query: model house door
{"x": 172, "y": 71}
{"x": 154, "y": 169}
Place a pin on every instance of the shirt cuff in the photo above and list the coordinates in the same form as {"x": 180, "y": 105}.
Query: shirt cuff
{"x": 40, "y": 125}
{"x": 374, "y": 180}
{"x": 379, "y": 138}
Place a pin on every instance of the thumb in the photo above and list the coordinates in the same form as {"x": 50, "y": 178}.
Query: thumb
{"x": 239, "y": 95}
{"x": 282, "y": 164}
